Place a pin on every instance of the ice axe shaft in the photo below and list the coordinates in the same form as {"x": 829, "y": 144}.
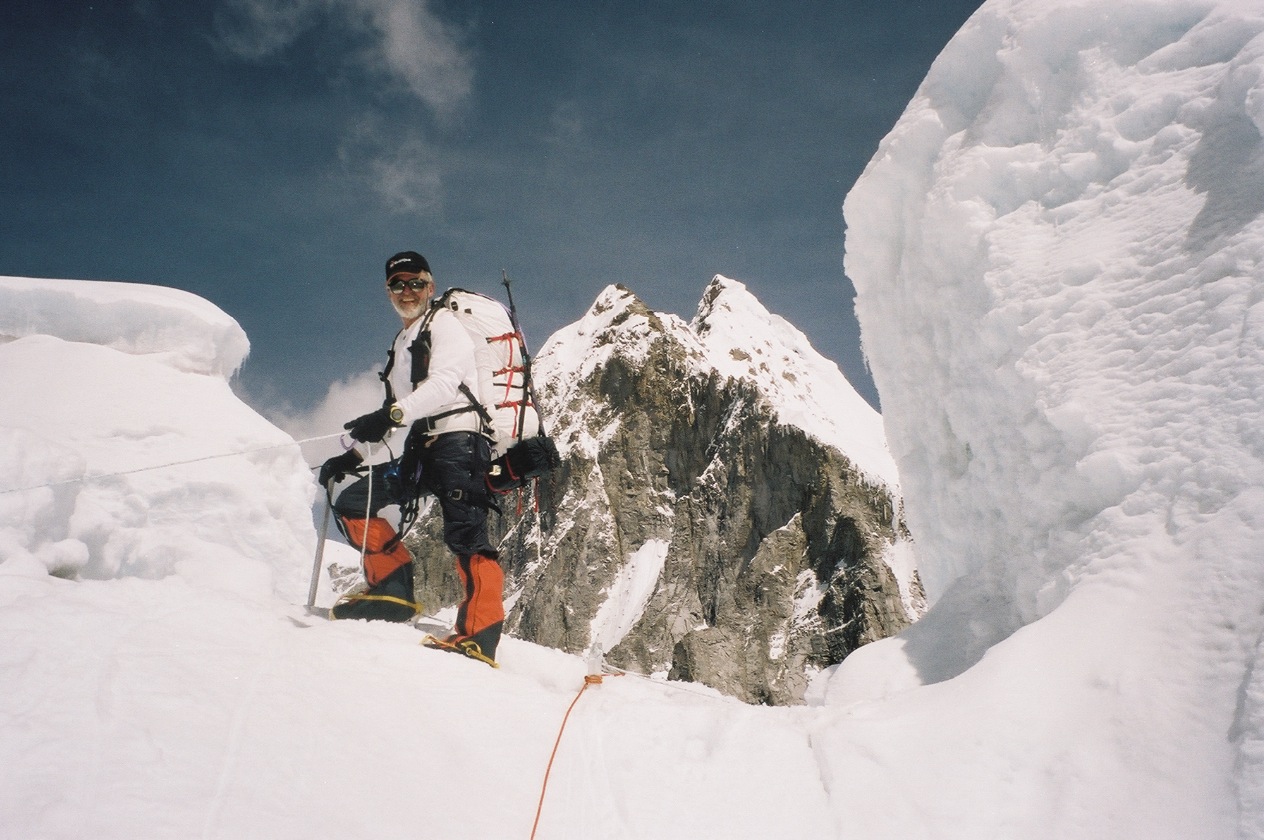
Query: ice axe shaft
{"x": 528, "y": 386}
{"x": 320, "y": 545}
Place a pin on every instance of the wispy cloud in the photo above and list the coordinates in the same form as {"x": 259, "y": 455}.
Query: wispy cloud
{"x": 422, "y": 50}
{"x": 408, "y": 42}
{"x": 404, "y": 45}
{"x": 255, "y": 30}
{"x": 402, "y": 168}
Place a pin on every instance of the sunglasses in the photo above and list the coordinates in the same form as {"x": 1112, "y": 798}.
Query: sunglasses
{"x": 398, "y": 285}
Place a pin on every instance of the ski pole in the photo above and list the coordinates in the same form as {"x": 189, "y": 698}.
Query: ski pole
{"x": 320, "y": 544}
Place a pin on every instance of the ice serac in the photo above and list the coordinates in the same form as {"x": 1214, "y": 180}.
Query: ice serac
{"x": 1057, "y": 253}
{"x": 726, "y": 511}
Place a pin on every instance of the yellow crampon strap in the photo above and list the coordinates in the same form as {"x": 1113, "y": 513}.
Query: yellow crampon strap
{"x": 469, "y": 648}
{"x": 349, "y": 599}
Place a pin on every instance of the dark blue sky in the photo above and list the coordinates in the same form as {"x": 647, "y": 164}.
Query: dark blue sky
{"x": 270, "y": 155}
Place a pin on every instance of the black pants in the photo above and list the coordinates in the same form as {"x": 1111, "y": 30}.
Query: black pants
{"x": 454, "y": 469}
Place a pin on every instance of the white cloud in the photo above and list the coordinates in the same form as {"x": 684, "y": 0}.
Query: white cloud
{"x": 423, "y": 51}
{"x": 408, "y": 42}
{"x": 345, "y": 400}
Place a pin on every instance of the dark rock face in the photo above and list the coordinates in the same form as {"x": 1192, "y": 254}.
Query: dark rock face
{"x": 688, "y": 530}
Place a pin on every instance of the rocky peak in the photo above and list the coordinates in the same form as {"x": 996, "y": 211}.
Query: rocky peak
{"x": 726, "y": 510}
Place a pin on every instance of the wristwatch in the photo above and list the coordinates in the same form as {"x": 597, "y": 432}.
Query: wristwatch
{"x": 397, "y": 415}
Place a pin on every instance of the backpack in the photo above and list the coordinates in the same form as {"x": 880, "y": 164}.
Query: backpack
{"x": 504, "y": 402}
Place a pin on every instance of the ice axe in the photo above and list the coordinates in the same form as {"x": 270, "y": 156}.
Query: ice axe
{"x": 320, "y": 545}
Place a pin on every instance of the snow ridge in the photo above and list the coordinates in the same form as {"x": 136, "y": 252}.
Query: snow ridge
{"x": 172, "y": 326}
{"x": 110, "y": 388}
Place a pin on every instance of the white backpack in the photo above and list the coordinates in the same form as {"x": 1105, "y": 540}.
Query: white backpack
{"x": 500, "y": 354}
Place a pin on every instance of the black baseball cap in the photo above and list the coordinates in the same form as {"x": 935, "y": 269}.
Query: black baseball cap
{"x": 409, "y": 261}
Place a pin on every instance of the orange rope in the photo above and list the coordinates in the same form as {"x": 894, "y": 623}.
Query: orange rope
{"x": 591, "y": 679}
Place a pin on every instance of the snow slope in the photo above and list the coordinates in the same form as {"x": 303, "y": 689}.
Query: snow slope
{"x": 103, "y": 381}
{"x": 162, "y": 679}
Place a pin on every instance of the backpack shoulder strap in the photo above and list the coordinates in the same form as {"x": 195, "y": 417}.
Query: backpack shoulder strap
{"x": 385, "y": 375}
{"x": 419, "y": 350}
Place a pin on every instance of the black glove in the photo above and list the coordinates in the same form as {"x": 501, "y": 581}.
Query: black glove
{"x": 371, "y": 427}
{"x": 337, "y": 467}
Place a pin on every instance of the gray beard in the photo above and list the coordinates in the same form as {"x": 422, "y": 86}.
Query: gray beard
{"x": 412, "y": 312}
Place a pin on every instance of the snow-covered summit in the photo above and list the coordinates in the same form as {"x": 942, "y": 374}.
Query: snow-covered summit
{"x": 741, "y": 339}
{"x": 734, "y": 335}
{"x": 617, "y": 322}
{"x": 725, "y": 510}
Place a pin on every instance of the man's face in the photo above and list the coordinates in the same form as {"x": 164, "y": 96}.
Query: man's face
{"x": 410, "y": 294}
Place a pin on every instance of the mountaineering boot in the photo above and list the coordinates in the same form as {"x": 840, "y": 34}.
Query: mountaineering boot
{"x": 388, "y": 569}
{"x": 389, "y": 600}
{"x": 481, "y": 614}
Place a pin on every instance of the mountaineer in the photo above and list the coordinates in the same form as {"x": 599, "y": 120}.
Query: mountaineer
{"x": 431, "y": 378}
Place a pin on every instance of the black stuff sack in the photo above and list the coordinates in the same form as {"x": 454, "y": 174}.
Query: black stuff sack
{"x": 525, "y": 460}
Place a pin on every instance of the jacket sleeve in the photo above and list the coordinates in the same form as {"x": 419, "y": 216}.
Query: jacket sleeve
{"x": 451, "y": 363}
